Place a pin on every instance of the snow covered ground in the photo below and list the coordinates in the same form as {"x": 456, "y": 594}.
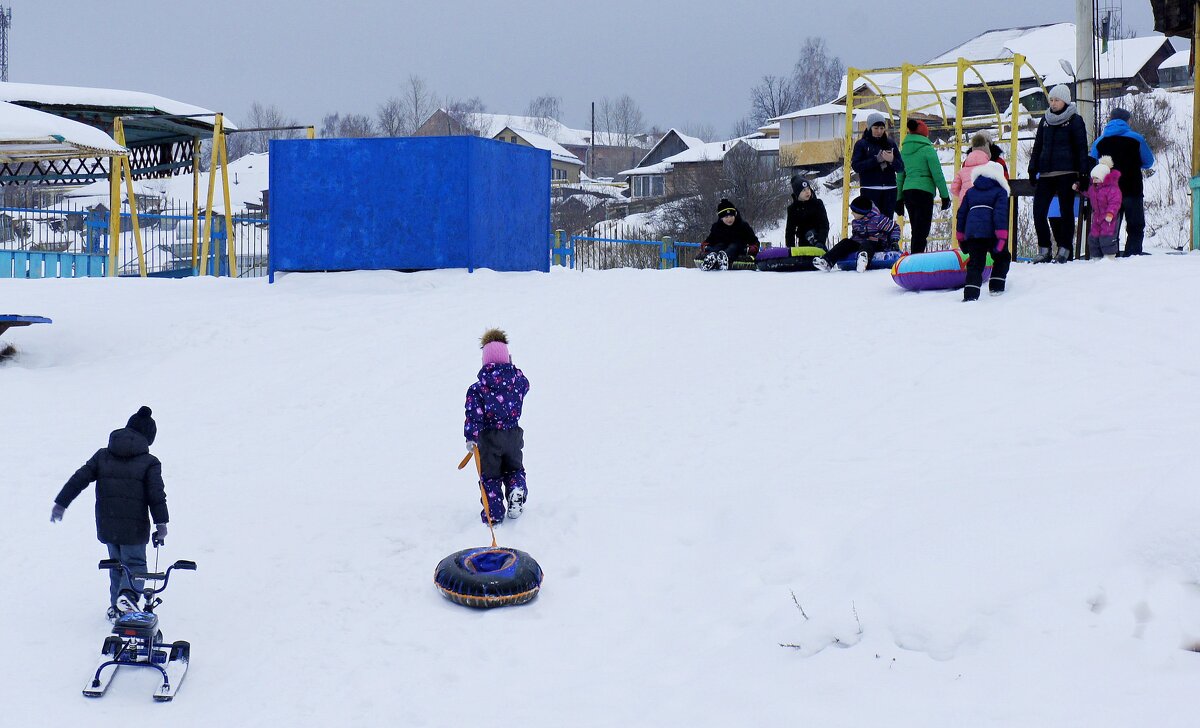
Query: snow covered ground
{"x": 988, "y": 512}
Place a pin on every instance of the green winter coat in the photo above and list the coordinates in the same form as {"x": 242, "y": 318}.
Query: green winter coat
{"x": 922, "y": 170}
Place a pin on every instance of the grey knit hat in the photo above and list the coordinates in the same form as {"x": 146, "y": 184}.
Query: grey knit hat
{"x": 1062, "y": 93}
{"x": 876, "y": 118}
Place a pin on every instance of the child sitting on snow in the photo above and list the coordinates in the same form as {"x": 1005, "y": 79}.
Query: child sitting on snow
{"x": 493, "y": 426}
{"x": 871, "y": 232}
{"x": 129, "y": 485}
{"x": 730, "y": 238}
{"x": 982, "y": 228}
{"x": 1104, "y": 196}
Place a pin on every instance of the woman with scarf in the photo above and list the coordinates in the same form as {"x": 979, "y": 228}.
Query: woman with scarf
{"x": 1059, "y": 166}
{"x": 877, "y": 160}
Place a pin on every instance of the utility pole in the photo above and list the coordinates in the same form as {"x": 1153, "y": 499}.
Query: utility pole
{"x": 592, "y": 146}
{"x": 1085, "y": 67}
{"x": 5, "y": 24}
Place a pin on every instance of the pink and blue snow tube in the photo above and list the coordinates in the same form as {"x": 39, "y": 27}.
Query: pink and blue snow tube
{"x": 942, "y": 270}
{"x": 879, "y": 261}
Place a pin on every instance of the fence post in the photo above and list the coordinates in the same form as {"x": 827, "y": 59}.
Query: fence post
{"x": 667, "y": 258}
{"x": 557, "y": 258}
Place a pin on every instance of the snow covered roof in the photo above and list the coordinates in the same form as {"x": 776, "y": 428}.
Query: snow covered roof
{"x": 704, "y": 152}
{"x": 493, "y": 124}
{"x": 660, "y": 167}
{"x": 1178, "y": 59}
{"x": 825, "y": 109}
{"x": 1125, "y": 57}
{"x": 29, "y": 135}
{"x": 48, "y": 95}
{"x": 557, "y": 151}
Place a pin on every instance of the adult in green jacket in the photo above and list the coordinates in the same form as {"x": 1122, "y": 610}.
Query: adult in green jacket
{"x": 922, "y": 175}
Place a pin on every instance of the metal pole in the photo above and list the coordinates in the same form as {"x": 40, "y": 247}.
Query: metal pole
{"x": 592, "y": 147}
{"x": 1085, "y": 69}
{"x": 1195, "y": 96}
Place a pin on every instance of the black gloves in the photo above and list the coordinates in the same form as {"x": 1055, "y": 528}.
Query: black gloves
{"x": 160, "y": 534}
{"x": 945, "y": 204}
{"x": 56, "y": 513}
{"x": 900, "y": 207}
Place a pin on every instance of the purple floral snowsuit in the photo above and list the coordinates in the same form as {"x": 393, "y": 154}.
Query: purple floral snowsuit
{"x": 493, "y": 414}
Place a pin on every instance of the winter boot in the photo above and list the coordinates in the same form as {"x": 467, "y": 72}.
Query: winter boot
{"x": 516, "y": 502}
{"x": 709, "y": 262}
{"x": 126, "y": 604}
{"x": 820, "y": 263}
{"x": 1043, "y": 256}
{"x": 970, "y": 293}
{"x": 864, "y": 260}
{"x": 112, "y": 614}
{"x": 996, "y": 286}
{"x": 722, "y": 260}
{"x": 1064, "y": 254}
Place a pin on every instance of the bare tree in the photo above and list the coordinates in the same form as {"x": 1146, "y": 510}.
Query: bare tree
{"x": 744, "y": 127}
{"x": 469, "y": 114}
{"x": 390, "y": 117}
{"x": 417, "y": 103}
{"x": 817, "y": 74}
{"x": 261, "y": 116}
{"x": 348, "y": 126}
{"x": 700, "y": 131}
{"x": 329, "y": 125}
{"x": 815, "y": 78}
{"x": 546, "y": 111}
{"x": 773, "y": 96}
{"x": 621, "y": 118}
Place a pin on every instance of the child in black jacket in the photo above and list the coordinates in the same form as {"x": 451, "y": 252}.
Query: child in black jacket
{"x": 129, "y": 489}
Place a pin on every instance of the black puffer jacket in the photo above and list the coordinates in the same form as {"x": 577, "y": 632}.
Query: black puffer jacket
{"x": 736, "y": 240}
{"x": 872, "y": 172}
{"x": 128, "y": 485}
{"x": 803, "y": 217}
{"x": 1061, "y": 148}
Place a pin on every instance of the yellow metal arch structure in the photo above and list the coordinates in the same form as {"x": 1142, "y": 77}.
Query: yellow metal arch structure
{"x": 938, "y": 102}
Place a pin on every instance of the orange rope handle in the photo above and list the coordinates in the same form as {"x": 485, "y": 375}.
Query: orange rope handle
{"x": 482, "y": 493}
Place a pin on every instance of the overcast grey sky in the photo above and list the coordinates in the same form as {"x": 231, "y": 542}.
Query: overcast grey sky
{"x": 685, "y": 63}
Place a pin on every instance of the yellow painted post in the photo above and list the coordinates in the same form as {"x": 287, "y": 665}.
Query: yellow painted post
{"x": 668, "y": 248}
{"x": 212, "y": 180}
{"x": 229, "y": 237}
{"x": 902, "y": 131}
{"x": 1014, "y": 125}
{"x": 127, "y": 173}
{"x": 847, "y": 149}
{"x": 195, "y": 204}
{"x": 311, "y": 132}
{"x": 958, "y": 142}
{"x": 114, "y": 212}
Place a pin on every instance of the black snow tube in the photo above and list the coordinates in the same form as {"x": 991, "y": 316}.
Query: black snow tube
{"x": 488, "y": 577}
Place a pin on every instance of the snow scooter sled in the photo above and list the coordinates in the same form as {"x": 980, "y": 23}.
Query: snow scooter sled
{"x": 136, "y": 640}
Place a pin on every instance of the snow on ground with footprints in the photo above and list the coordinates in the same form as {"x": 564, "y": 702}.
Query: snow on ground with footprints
{"x": 987, "y": 513}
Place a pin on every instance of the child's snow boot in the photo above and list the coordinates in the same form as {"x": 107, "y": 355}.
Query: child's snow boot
{"x": 112, "y": 614}
{"x": 820, "y": 263}
{"x": 996, "y": 286}
{"x": 516, "y": 503}
{"x": 126, "y": 604}
{"x": 722, "y": 260}
{"x": 970, "y": 293}
{"x": 864, "y": 260}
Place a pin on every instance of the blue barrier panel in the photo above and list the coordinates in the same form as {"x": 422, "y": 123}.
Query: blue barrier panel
{"x": 411, "y": 203}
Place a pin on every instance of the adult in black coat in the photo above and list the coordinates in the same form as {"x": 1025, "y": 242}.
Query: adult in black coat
{"x": 1131, "y": 155}
{"x": 730, "y": 235}
{"x": 876, "y": 159}
{"x": 129, "y": 490}
{"x": 1060, "y": 166}
{"x": 807, "y": 222}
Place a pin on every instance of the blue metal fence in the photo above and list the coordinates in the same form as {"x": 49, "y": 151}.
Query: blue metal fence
{"x": 583, "y": 252}
{"x": 47, "y": 242}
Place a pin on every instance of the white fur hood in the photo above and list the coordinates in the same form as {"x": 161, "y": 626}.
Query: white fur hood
{"x": 992, "y": 171}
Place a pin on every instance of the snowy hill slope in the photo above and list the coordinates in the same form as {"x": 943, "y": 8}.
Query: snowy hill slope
{"x": 987, "y": 512}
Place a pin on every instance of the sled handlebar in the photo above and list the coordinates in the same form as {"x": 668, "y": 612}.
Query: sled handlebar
{"x": 164, "y": 577}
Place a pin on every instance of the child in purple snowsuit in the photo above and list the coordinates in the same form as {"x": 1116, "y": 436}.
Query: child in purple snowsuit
{"x": 493, "y": 410}
{"x": 1105, "y": 199}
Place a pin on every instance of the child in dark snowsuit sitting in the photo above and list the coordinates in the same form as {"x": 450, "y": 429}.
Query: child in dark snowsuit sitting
{"x": 493, "y": 411}
{"x": 730, "y": 238}
{"x": 982, "y": 228}
{"x": 129, "y": 491}
{"x": 871, "y": 232}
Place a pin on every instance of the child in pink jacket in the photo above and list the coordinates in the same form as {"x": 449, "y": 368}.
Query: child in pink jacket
{"x": 1104, "y": 196}
{"x": 979, "y": 154}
